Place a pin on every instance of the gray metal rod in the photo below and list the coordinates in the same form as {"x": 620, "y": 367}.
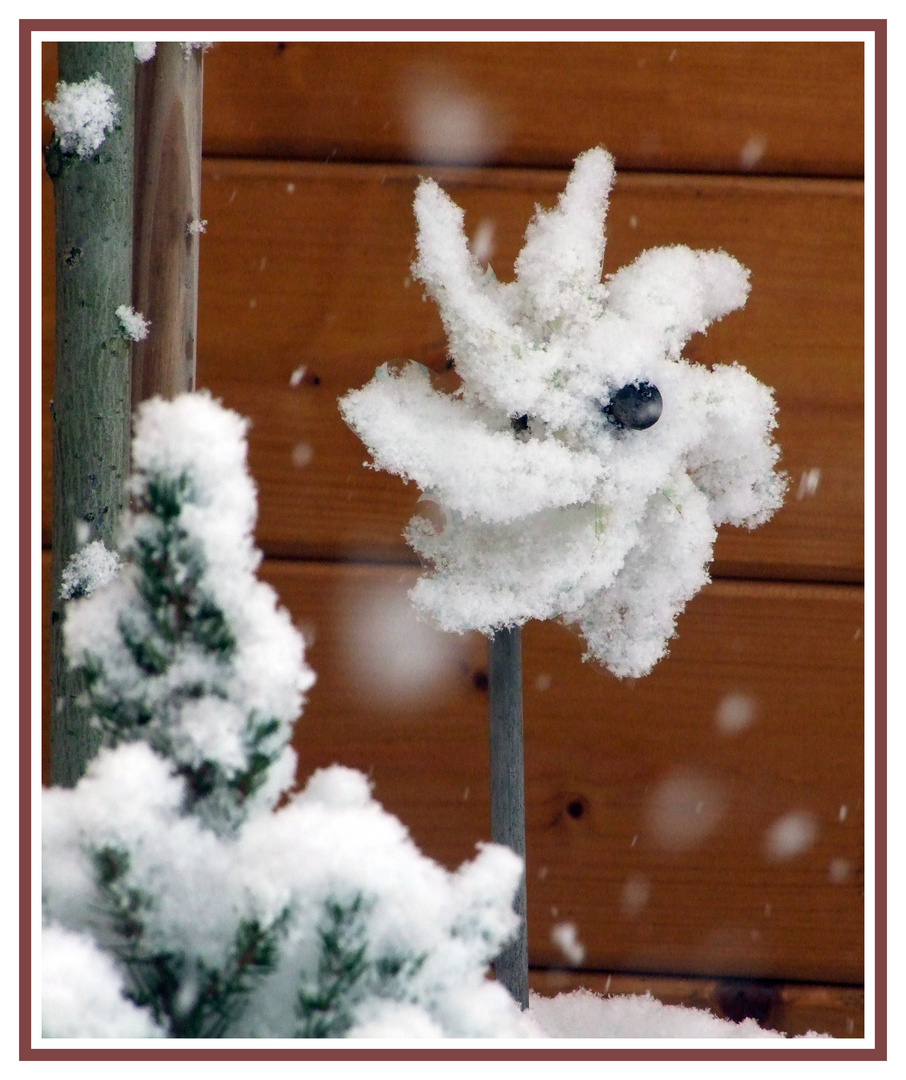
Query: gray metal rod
{"x": 508, "y": 788}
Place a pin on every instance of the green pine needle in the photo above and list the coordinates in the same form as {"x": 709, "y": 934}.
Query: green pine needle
{"x": 347, "y": 975}
{"x": 187, "y": 996}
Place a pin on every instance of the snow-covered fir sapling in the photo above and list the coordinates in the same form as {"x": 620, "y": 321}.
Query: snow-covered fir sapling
{"x": 583, "y": 466}
{"x": 178, "y": 902}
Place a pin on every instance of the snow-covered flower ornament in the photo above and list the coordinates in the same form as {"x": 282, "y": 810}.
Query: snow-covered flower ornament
{"x": 583, "y": 465}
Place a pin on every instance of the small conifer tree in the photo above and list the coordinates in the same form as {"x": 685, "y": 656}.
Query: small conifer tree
{"x": 178, "y": 902}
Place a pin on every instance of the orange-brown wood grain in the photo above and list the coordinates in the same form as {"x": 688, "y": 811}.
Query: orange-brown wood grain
{"x": 657, "y": 809}
{"x": 722, "y": 106}
{"x": 307, "y": 267}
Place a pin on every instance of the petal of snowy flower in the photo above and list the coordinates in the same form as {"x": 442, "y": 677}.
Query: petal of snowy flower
{"x": 628, "y": 625}
{"x": 491, "y": 576}
{"x": 469, "y": 299}
{"x": 733, "y": 462}
{"x": 410, "y": 428}
{"x": 677, "y": 292}
{"x": 559, "y": 268}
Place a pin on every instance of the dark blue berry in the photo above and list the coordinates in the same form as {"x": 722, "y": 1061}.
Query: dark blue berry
{"x": 637, "y": 406}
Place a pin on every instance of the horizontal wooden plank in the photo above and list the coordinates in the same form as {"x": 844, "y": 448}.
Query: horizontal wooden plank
{"x": 722, "y": 106}
{"x": 792, "y": 1008}
{"x": 649, "y": 803}
{"x": 791, "y": 108}
{"x": 308, "y": 267}
{"x": 318, "y": 278}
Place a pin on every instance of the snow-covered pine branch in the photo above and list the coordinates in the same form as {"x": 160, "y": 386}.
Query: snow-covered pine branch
{"x": 186, "y": 650}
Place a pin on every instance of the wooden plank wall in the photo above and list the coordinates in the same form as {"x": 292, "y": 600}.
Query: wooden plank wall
{"x": 702, "y": 828}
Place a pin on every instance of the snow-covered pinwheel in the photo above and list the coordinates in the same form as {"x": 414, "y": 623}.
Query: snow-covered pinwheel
{"x": 583, "y": 466}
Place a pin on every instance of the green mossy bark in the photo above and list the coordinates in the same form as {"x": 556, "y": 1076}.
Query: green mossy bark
{"x": 91, "y": 402}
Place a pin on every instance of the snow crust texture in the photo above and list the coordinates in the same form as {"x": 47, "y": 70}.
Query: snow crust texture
{"x": 548, "y": 503}
{"x": 583, "y": 1014}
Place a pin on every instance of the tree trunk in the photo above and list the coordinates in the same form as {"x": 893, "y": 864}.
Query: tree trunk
{"x": 91, "y": 403}
{"x": 508, "y": 789}
{"x": 167, "y": 219}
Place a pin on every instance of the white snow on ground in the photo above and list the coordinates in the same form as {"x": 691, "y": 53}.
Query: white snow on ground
{"x": 586, "y": 1015}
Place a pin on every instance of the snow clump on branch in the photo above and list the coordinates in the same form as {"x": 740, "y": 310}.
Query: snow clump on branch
{"x": 82, "y": 991}
{"x": 188, "y": 46}
{"x": 92, "y": 566}
{"x": 133, "y": 324}
{"x": 82, "y": 114}
{"x": 582, "y": 467}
